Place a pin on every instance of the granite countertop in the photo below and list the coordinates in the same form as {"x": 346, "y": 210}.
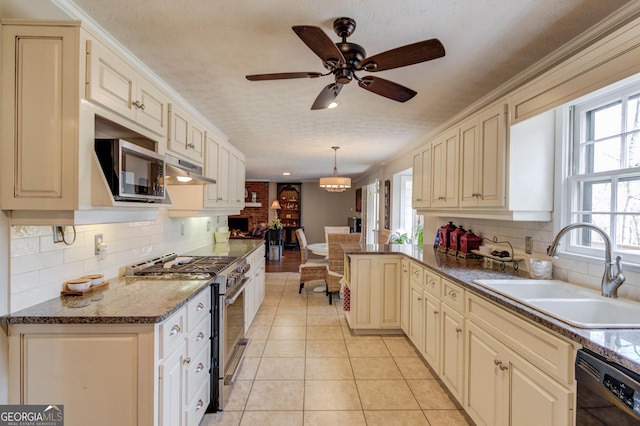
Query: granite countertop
{"x": 128, "y": 300}
{"x": 618, "y": 345}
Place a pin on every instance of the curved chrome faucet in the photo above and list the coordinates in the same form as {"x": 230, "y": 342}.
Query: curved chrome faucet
{"x": 610, "y": 281}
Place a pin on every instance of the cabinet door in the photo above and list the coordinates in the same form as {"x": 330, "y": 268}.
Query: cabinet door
{"x": 452, "y": 361}
{"x": 249, "y": 304}
{"x": 196, "y": 141}
{"x": 421, "y": 178}
{"x": 389, "y": 293}
{"x": 405, "y": 297}
{"x": 152, "y": 109}
{"x": 240, "y": 181}
{"x": 444, "y": 170}
{"x": 364, "y": 279}
{"x": 470, "y": 160}
{"x": 172, "y": 391}
{"x": 178, "y": 138}
{"x": 416, "y": 317}
{"x": 492, "y": 166}
{"x": 431, "y": 351}
{"x": 232, "y": 179}
{"x": 223, "y": 174}
{"x": 485, "y": 395}
{"x": 536, "y": 399}
{"x": 211, "y": 170}
{"x": 40, "y": 117}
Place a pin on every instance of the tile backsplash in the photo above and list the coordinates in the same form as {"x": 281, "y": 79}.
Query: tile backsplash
{"x": 578, "y": 272}
{"x": 39, "y": 267}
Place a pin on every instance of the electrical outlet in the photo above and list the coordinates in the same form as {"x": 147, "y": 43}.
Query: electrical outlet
{"x": 528, "y": 245}
{"x": 208, "y": 226}
{"x": 182, "y": 229}
{"x": 97, "y": 243}
{"x": 58, "y": 234}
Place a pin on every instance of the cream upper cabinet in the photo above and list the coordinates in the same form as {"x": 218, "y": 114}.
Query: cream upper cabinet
{"x": 444, "y": 170}
{"x": 40, "y": 93}
{"x": 212, "y": 150}
{"x": 421, "y": 188}
{"x": 223, "y": 172}
{"x": 186, "y": 135}
{"x": 114, "y": 84}
{"x": 482, "y": 159}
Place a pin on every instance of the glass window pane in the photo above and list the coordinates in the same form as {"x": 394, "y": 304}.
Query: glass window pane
{"x": 628, "y": 233}
{"x": 633, "y": 113}
{"x": 606, "y": 155}
{"x": 606, "y": 121}
{"x": 596, "y": 196}
{"x": 633, "y": 150}
{"x": 587, "y": 237}
{"x": 629, "y": 195}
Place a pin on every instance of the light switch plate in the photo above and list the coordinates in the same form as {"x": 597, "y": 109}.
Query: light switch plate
{"x": 528, "y": 245}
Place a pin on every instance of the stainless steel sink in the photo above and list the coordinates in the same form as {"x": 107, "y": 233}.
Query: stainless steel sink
{"x": 572, "y": 304}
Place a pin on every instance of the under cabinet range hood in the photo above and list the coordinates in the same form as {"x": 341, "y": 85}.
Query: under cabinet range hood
{"x": 181, "y": 172}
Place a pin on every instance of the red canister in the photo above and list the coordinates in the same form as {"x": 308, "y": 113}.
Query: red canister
{"x": 468, "y": 242}
{"x": 454, "y": 239}
{"x": 445, "y": 231}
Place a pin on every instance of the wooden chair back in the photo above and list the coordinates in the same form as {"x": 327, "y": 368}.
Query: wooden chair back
{"x": 384, "y": 236}
{"x": 335, "y": 230}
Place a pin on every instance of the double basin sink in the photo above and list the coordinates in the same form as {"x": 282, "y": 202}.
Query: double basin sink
{"x": 572, "y": 304}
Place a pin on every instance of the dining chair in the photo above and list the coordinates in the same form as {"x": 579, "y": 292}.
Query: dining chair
{"x": 335, "y": 230}
{"x": 384, "y": 236}
{"x": 335, "y": 267}
{"x": 310, "y": 269}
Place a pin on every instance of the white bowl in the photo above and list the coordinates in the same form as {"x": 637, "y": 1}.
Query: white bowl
{"x": 79, "y": 284}
{"x": 95, "y": 278}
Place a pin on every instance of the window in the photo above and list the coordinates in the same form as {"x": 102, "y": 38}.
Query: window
{"x": 604, "y": 173}
{"x": 405, "y": 219}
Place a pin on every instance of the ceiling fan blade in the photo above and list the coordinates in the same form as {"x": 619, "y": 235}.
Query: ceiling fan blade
{"x": 405, "y": 55}
{"x": 386, "y": 88}
{"x": 283, "y": 76}
{"x": 326, "y": 96}
{"x": 318, "y": 41}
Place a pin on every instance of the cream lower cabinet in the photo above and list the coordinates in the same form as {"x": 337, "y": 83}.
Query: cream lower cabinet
{"x": 255, "y": 290}
{"x": 405, "y": 289}
{"x": 452, "y": 342}
{"x": 505, "y": 384}
{"x": 134, "y": 374}
{"x": 375, "y": 293}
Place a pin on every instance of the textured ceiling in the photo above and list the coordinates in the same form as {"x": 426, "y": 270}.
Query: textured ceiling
{"x": 204, "y": 48}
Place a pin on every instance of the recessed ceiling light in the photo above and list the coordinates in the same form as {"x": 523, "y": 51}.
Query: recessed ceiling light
{"x": 286, "y": 174}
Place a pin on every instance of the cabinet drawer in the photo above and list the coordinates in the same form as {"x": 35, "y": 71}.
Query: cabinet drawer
{"x": 432, "y": 283}
{"x": 197, "y": 372}
{"x": 541, "y": 348}
{"x": 199, "y": 337}
{"x": 172, "y": 332}
{"x": 198, "y": 308}
{"x": 453, "y": 295}
{"x": 195, "y": 409}
{"x": 417, "y": 272}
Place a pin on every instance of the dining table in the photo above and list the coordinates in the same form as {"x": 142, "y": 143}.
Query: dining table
{"x": 321, "y": 249}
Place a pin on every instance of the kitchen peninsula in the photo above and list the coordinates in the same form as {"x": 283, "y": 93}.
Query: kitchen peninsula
{"x": 141, "y": 345}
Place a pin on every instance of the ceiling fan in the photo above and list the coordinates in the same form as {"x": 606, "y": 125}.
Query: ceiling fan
{"x": 344, "y": 59}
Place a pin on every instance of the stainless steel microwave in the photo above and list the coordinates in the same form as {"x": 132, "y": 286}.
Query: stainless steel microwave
{"x": 132, "y": 172}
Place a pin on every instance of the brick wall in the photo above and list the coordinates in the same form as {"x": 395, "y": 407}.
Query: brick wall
{"x": 256, "y": 214}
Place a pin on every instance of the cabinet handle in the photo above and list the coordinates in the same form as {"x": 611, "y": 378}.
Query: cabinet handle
{"x": 419, "y": 298}
{"x": 199, "y": 405}
{"x": 453, "y": 294}
{"x": 175, "y": 330}
{"x": 186, "y": 361}
{"x": 199, "y": 368}
{"x": 219, "y": 198}
{"x": 436, "y": 312}
{"x": 200, "y": 306}
{"x": 497, "y": 362}
{"x": 192, "y": 146}
{"x": 503, "y": 367}
{"x": 200, "y": 336}
{"x": 458, "y": 330}
{"x": 418, "y": 199}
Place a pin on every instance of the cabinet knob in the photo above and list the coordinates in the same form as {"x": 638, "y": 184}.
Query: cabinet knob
{"x": 453, "y": 294}
{"x": 199, "y": 368}
{"x": 497, "y": 362}
{"x": 192, "y": 146}
{"x": 458, "y": 330}
{"x": 436, "y": 312}
{"x": 503, "y": 367}
{"x": 200, "y": 306}
{"x": 186, "y": 361}
{"x": 175, "y": 330}
{"x": 199, "y": 405}
{"x": 200, "y": 336}
{"x": 419, "y": 298}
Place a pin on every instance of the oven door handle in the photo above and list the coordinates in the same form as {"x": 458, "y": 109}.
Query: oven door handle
{"x": 231, "y": 299}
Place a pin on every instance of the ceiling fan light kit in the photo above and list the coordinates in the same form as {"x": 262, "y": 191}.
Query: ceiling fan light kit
{"x": 344, "y": 59}
{"x": 335, "y": 183}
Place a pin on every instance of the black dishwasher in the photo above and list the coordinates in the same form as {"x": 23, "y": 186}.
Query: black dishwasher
{"x": 607, "y": 393}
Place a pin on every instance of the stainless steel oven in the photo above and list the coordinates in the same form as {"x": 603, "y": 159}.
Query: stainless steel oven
{"x": 228, "y": 279}
{"x": 607, "y": 393}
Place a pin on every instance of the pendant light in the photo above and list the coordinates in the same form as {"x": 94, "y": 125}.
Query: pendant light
{"x": 335, "y": 183}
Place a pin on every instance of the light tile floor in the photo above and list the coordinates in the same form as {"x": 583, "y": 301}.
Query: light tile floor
{"x": 304, "y": 367}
